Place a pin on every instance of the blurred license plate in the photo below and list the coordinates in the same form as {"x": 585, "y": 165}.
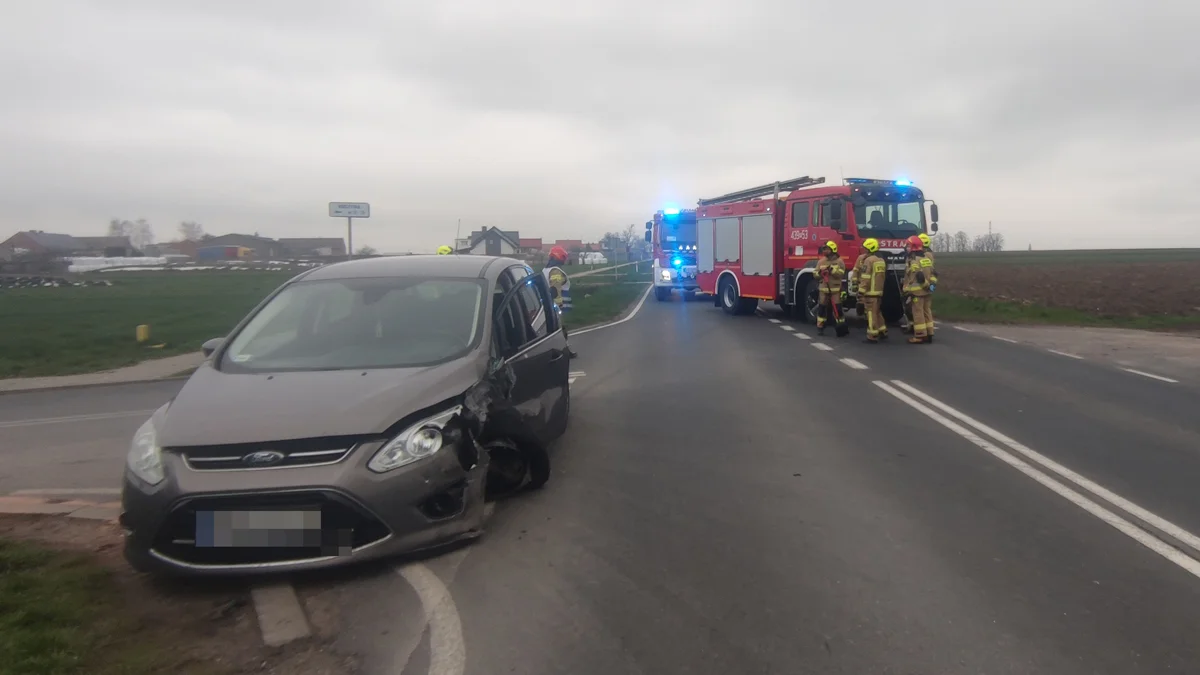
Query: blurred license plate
{"x": 252, "y": 529}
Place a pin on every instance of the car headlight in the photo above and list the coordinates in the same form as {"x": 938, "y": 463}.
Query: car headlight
{"x": 145, "y": 457}
{"x": 417, "y": 442}
{"x": 666, "y": 275}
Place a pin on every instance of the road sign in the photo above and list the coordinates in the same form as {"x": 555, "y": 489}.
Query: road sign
{"x": 349, "y": 210}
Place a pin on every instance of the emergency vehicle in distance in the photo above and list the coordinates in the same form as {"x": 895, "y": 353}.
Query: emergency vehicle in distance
{"x": 672, "y": 233}
{"x": 762, "y": 243}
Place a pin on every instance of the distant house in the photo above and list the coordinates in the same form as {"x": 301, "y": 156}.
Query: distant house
{"x": 38, "y": 243}
{"x": 106, "y": 247}
{"x": 319, "y": 247}
{"x": 262, "y": 247}
{"x": 185, "y": 247}
{"x": 530, "y": 245}
{"x": 491, "y": 241}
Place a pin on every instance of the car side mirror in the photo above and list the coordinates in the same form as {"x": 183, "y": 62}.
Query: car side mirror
{"x": 211, "y": 346}
{"x": 836, "y": 214}
{"x": 933, "y": 215}
{"x": 649, "y": 225}
{"x": 933, "y": 226}
{"x": 648, "y": 237}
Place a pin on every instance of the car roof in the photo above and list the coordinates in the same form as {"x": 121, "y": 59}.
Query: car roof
{"x": 462, "y": 266}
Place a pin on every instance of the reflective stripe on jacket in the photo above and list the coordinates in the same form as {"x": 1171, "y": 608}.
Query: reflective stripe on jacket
{"x": 836, "y": 271}
{"x": 873, "y": 279}
{"x": 560, "y": 287}
{"x": 918, "y": 263}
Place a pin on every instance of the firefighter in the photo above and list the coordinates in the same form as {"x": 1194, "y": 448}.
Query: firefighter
{"x": 927, "y": 245}
{"x": 919, "y": 279}
{"x": 830, "y": 271}
{"x": 859, "y": 270}
{"x": 444, "y": 250}
{"x": 560, "y": 285}
{"x": 870, "y": 290}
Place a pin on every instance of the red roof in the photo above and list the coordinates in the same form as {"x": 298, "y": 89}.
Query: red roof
{"x": 531, "y": 243}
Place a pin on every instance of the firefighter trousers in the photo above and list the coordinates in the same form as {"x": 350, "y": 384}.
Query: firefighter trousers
{"x": 876, "y": 327}
{"x": 922, "y": 316}
{"x": 825, "y": 300}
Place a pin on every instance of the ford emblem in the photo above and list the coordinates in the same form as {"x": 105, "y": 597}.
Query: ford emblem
{"x": 263, "y": 458}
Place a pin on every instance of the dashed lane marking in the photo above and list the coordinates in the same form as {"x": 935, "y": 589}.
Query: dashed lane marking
{"x": 774, "y": 320}
{"x": 857, "y": 365}
{"x": 75, "y": 418}
{"x": 802, "y": 336}
{"x": 822, "y": 346}
{"x": 1004, "y": 339}
{"x": 788, "y": 328}
{"x": 1066, "y": 354}
{"x": 1150, "y": 375}
{"x": 965, "y": 330}
{"x": 571, "y": 377}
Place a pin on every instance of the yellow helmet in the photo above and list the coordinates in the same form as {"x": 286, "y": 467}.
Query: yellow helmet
{"x": 871, "y": 244}
{"x": 445, "y": 250}
{"x": 831, "y": 245}
{"x": 924, "y": 239}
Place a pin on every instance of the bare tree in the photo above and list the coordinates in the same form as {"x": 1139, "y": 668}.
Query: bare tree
{"x": 366, "y": 250}
{"x": 991, "y": 242}
{"x": 612, "y": 241}
{"x": 119, "y": 228}
{"x": 142, "y": 234}
{"x": 191, "y": 231}
{"x": 942, "y": 242}
{"x": 962, "y": 242}
{"x": 632, "y": 238}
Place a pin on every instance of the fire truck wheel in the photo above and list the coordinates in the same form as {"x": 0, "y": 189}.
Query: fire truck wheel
{"x": 810, "y": 296}
{"x": 892, "y": 310}
{"x": 731, "y": 302}
{"x": 662, "y": 293}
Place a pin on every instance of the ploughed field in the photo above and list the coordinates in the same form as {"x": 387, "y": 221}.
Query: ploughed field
{"x": 1148, "y": 289}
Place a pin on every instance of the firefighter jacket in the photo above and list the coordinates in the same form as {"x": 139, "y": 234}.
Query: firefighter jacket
{"x": 860, "y": 268}
{"x": 919, "y": 275}
{"x": 871, "y": 282}
{"x": 560, "y": 287}
{"x": 830, "y": 272}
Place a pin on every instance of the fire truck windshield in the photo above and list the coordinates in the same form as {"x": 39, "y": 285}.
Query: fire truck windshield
{"x": 889, "y": 219}
{"x": 675, "y": 236}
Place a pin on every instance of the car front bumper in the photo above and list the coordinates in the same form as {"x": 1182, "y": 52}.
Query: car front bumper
{"x": 172, "y": 528}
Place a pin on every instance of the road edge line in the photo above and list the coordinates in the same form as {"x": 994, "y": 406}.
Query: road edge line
{"x": 281, "y": 617}
{"x": 632, "y": 314}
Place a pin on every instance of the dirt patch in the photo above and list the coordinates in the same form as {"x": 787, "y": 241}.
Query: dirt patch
{"x": 210, "y": 625}
{"x": 1127, "y": 290}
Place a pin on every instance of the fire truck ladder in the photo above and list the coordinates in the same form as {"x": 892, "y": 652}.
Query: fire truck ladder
{"x": 763, "y": 190}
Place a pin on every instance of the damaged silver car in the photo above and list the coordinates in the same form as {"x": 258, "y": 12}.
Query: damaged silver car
{"x": 364, "y": 409}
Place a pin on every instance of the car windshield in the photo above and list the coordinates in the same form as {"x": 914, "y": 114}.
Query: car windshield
{"x": 360, "y": 323}
{"x": 888, "y": 219}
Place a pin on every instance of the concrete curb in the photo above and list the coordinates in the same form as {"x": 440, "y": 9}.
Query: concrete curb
{"x": 281, "y": 617}
{"x": 91, "y": 385}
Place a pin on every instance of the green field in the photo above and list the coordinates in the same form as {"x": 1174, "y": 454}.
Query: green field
{"x": 62, "y": 331}
{"x": 1101, "y": 256}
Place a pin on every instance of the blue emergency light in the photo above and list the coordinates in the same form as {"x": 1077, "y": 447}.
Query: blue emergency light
{"x": 677, "y": 262}
{"x": 903, "y": 182}
{"x": 671, "y": 211}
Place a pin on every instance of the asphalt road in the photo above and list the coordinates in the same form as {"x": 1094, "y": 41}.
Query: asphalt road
{"x": 731, "y": 498}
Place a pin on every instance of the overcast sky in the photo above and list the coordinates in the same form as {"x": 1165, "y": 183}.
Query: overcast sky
{"x": 1070, "y": 124}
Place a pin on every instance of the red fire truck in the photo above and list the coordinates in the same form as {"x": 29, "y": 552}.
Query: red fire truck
{"x": 672, "y": 232}
{"x": 761, "y": 243}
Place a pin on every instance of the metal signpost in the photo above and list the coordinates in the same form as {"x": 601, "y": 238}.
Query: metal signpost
{"x": 349, "y": 211}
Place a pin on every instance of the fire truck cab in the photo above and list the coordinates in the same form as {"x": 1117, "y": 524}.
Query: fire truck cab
{"x": 672, "y": 233}
{"x": 762, "y": 243}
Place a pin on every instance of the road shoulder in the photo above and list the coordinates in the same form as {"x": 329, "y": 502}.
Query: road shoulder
{"x": 146, "y": 371}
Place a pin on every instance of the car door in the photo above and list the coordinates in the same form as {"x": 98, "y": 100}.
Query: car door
{"x": 535, "y": 353}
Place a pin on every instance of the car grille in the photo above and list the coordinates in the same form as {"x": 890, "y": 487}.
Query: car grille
{"x": 282, "y": 454}
{"x": 345, "y": 527}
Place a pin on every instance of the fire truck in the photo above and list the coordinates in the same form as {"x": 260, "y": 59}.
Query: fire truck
{"x": 762, "y": 243}
{"x": 672, "y": 233}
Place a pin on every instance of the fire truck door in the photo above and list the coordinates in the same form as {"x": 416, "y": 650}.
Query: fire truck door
{"x": 704, "y": 253}
{"x": 825, "y": 229}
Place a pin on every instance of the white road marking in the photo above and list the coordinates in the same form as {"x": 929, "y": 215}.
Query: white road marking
{"x": 75, "y": 418}
{"x": 774, "y": 320}
{"x": 857, "y": 365}
{"x": 619, "y": 321}
{"x": 802, "y": 336}
{"x": 787, "y": 328}
{"x": 447, "y": 651}
{"x": 50, "y": 492}
{"x": 1150, "y": 375}
{"x": 1004, "y": 339}
{"x": 965, "y": 330}
{"x": 1066, "y": 354}
{"x": 822, "y": 346}
{"x": 1124, "y": 526}
{"x": 571, "y": 377}
{"x": 1096, "y": 489}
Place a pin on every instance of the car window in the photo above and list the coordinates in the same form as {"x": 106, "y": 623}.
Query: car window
{"x": 542, "y": 286}
{"x": 360, "y": 323}
{"x": 532, "y": 307}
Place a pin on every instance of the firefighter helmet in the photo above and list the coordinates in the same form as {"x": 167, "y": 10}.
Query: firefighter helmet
{"x": 925, "y": 241}
{"x": 558, "y": 253}
{"x": 445, "y": 250}
{"x": 831, "y": 245}
{"x": 915, "y": 244}
{"x": 871, "y": 244}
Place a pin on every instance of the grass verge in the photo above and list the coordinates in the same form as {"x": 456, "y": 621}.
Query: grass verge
{"x": 594, "y": 304}
{"x": 63, "y": 613}
{"x": 979, "y": 310}
{"x": 70, "y": 330}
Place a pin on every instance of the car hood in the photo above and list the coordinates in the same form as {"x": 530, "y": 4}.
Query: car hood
{"x": 216, "y": 408}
